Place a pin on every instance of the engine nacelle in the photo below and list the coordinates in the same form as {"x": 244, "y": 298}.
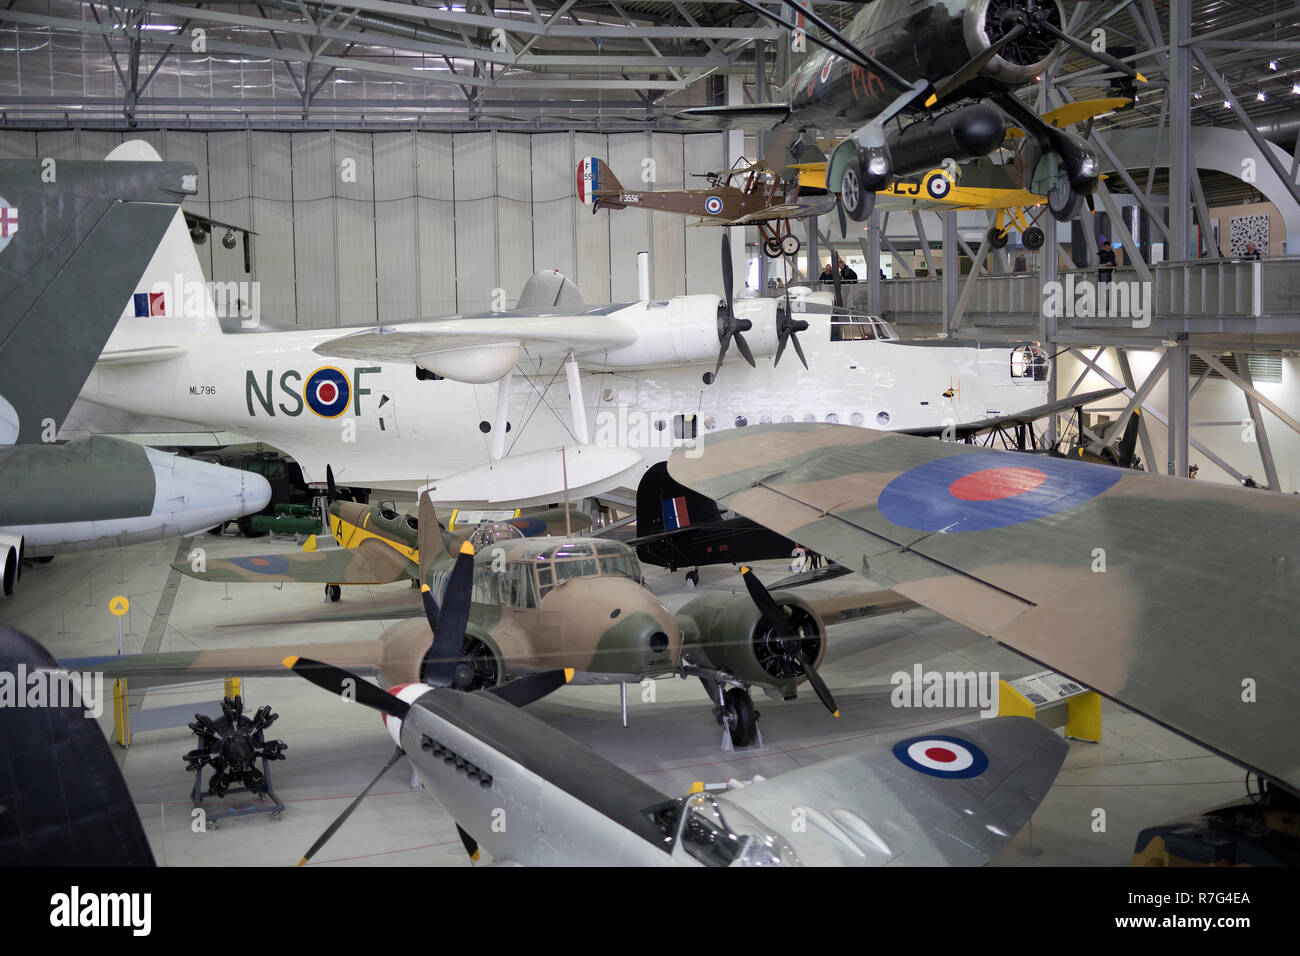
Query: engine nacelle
{"x": 728, "y": 632}
{"x": 11, "y": 562}
{"x": 987, "y": 21}
{"x": 684, "y": 330}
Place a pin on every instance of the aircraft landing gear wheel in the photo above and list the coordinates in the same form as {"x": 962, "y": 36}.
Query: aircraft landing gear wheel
{"x": 790, "y": 245}
{"x": 852, "y": 196}
{"x": 772, "y": 247}
{"x": 740, "y": 717}
{"x": 1032, "y": 238}
{"x": 997, "y": 237}
{"x": 693, "y": 577}
{"x": 1063, "y": 201}
{"x": 333, "y": 592}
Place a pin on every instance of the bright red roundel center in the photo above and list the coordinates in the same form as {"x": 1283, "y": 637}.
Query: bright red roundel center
{"x": 994, "y": 483}
{"x": 940, "y": 755}
{"x": 328, "y": 392}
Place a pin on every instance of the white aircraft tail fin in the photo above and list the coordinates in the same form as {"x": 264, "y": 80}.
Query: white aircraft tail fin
{"x": 549, "y": 289}
{"x": 173, "y": 297}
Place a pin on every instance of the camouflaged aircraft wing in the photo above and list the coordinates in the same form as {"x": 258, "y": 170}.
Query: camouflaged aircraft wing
{"x": 365, "y": 658}
{"x": 371, "y": 562}
{"x": 951, "y": 798}
{"x": 1175, "y": 597}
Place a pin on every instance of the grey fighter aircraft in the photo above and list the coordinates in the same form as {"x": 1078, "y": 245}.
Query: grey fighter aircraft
{"x": 1190, "y": 620}
{"x": 75, "y": 237}
{"x": 952, "y": 95}
{"x": 937, "y": 799}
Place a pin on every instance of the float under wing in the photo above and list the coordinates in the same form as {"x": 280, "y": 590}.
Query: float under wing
{"x": 1174, "y": 597}
{"x": 949, "y": 798}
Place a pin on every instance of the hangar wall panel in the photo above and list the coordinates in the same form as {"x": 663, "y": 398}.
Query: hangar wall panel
{"x": 474, "y": 165}
{"x": 397, "y": 266}
{"x": 436, "y": 224}
{"x": 272, "y": 191}
{"x": 315, "y": 228}
{"x": 667, "y": 230}
{"x": 430, "y": 224}
{"x": 354, "y": 222}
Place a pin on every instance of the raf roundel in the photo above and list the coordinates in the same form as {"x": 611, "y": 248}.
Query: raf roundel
{"x": 262, "y": 564}
{"x": 990, "y": 489}
{"x": 942, "y": 756}
{"x": 713, "y": 205}
{"x": 327, "y": 392}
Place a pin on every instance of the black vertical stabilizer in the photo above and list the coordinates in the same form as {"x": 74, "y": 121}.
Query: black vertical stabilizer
{"x": 658, "y": 487}
{"x": 63, "y": 801}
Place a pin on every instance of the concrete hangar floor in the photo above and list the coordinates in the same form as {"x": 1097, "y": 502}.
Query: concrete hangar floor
{"x": 1140, "y": 774}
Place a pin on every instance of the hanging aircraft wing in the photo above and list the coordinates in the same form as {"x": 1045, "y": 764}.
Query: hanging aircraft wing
{"x": 755, "y": 118}
{"x": 1071, "y": 113}
{"x": 482, "y": 349}
{"x": 1025, "y": 417}
{"x": 951, "y": 798}
{"x": 1176, "y": 598}
{"x": 371, "y": 562}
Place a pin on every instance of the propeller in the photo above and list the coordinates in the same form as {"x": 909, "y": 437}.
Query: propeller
{"x": 786, "y": 636}
{"x": 845, "y": 49}
{"x": 343, "y": 817}
{"x": 844, "y": 222}
{"x": 468, "y": 842}
{"x": 975, "y": 64}
{"x": 1128, "y": 444}
{"x": 522, "y": 691}
{"x": 787, "y": 330}
{"x": 346, "y": 684}
{"x": 730, "y": 327}
{"x": 1086, "y": 49}
{"x": 448, "y": 621}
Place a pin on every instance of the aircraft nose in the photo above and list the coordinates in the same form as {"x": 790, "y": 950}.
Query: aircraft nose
{"x": 198, "y": 494}
{"x": 641, "y": 636}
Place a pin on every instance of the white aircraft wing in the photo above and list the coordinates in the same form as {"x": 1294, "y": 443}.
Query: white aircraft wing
{"x": 950, "y": 798}
{"x": 481, "y": 349}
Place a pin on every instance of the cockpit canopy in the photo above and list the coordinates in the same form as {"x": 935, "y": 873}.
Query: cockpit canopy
{"x": 531, "y": 571}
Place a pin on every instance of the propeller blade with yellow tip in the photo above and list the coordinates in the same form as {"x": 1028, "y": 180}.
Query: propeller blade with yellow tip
{"x": 468, "y": 842}
{"x": 346, "y": 684}
{"x": 450, "y": 620}
{"x": 522, "y": 691}
{"x": 342, "y": 817}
